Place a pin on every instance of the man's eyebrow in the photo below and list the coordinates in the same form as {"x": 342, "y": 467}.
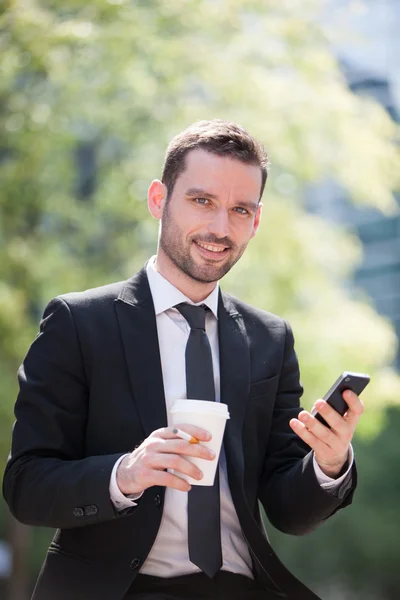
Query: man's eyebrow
{"x": 200, "y": 192}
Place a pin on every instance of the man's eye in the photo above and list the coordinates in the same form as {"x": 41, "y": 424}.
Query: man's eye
{"x": 201, "y": 200}
{"x": 241, "y": 210}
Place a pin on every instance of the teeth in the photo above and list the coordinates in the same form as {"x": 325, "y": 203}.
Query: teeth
{"x": 211, "y": 248}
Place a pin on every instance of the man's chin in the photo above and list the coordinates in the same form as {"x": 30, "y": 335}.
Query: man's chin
{"x": 208, "y": 273}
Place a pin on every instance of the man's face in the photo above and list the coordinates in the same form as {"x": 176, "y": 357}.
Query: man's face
{"x": 211, "y": 215}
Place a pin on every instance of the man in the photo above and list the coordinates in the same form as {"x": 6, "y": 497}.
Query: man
{"x": 92, "y": 452}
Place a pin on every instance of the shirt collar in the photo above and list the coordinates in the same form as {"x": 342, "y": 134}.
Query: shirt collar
{"x": 166, "y": 296}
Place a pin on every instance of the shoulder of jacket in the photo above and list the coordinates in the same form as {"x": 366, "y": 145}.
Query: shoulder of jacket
{"x": 97, "y": 296}
{"x": 251, "y": 313}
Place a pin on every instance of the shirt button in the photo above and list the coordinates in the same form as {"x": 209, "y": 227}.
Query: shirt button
{"x": 157, "y": 500}
{"x": 135, "y": 563}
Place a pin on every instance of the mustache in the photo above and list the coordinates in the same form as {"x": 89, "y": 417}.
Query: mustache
{"x": 212, "y": 239}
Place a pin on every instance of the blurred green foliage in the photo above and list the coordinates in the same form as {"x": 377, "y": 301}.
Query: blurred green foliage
{"x": 91, "y": 93}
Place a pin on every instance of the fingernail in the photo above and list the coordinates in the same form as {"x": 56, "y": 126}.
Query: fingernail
{"x": 199, "y": 475}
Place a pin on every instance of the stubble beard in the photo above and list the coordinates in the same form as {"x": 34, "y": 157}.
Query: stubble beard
{"x": 171, "y": 243}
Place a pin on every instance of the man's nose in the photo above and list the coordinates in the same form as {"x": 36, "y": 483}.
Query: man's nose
{"x": 219, "y": 224}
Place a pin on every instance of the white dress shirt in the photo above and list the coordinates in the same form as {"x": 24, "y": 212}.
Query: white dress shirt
{"x": 169, "y": 556}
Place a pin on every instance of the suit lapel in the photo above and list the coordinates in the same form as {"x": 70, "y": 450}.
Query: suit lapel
{"x": 235, "y": 383}
{"x": 137, "y": 323}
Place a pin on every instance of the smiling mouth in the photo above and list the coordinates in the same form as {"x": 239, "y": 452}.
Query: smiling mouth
{"x": 211, "y": 252}
{"x": 211, "y": 248}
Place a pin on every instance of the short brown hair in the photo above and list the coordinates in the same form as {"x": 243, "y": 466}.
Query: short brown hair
{"x": 218, "y": 137}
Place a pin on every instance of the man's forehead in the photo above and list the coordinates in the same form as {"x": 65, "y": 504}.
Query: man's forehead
{"x": 198, "y": 156}
{"x": 205, "y": 169}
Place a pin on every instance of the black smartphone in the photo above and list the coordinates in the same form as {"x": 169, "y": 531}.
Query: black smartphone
{"x": 356, "y": 382}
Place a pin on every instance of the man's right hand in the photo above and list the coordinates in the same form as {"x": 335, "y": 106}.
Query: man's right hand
{"x": 146, "y": 465}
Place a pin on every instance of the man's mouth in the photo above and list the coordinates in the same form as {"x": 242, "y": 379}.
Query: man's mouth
{"x": 211, "y": 251}
{"x": 212, "y": 248}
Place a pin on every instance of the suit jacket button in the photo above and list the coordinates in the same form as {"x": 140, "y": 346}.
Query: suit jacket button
{"x": 157, "y": 500}
{"x": 78, "y": 512}
{"x": 91, "y": 510}
{"x": 135, "y": 563}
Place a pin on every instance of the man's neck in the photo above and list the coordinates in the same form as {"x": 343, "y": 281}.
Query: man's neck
{"x": 196, "y": 291}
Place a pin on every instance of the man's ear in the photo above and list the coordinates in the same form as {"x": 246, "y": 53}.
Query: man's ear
{"x": 156, "y": 197}
{"x": 257, "y": 219}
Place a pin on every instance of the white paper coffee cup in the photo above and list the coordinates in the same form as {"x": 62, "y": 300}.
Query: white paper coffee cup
{"x": 212, "y": 417}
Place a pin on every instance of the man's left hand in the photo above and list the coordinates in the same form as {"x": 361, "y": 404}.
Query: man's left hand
{"x": 331, "y": 446}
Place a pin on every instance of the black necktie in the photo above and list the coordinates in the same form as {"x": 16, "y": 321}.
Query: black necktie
{"x": 204, "y": 526}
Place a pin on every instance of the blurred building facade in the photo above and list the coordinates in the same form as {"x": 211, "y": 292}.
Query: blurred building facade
{"x": 370, "y": 62}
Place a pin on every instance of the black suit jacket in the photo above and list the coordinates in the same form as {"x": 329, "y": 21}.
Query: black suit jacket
{"x": 91, "y": 389}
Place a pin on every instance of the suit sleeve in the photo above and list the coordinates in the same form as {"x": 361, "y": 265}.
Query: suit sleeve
{"x": 48, "y": 479}
{"x": 293, "y": 499}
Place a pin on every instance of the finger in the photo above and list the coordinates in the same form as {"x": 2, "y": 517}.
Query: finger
{"x": 178, "y": 446}
{"x": 177, "y": 463}
{"x": 339, "y": 426}
{"x": 167, "y": 479}
{"x": 356, "y": 407}
{"x": 323, "y": 433}
{"x": 198, "y": 432}
{"x": 308, "y": 437}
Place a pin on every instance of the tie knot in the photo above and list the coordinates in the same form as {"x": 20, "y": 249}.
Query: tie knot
{"x": 194, "y": 315}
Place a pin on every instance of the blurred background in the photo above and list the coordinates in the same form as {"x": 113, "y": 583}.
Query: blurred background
{"x": 90, "y": 95}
